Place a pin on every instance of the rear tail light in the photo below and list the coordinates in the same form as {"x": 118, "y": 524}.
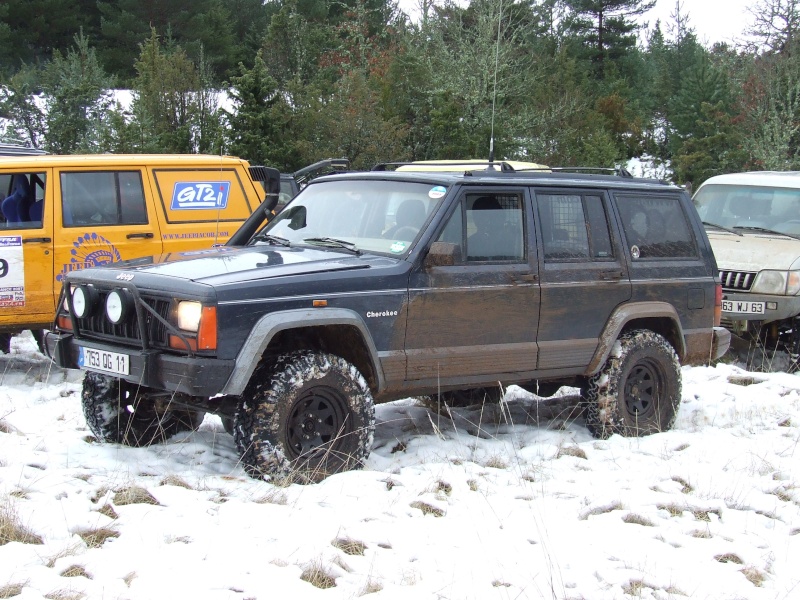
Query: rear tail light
{"x": 718, "y": 306}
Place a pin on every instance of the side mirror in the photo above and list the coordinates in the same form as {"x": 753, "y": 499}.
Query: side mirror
{"x": 443, "y": 254}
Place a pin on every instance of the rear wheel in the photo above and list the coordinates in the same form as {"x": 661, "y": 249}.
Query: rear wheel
{"x": 125, "y": 413}
{"x": 638, "y": 391}
{"x": 305, "y": 416}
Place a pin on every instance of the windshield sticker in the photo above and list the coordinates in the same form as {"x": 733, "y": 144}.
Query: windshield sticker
{"x": 12, "y": 271}
{"x": 437, "y": 192}
{"x": 398, "y": 247}
{"x": 200, "y": 195}
{"x": 89, "y": 250}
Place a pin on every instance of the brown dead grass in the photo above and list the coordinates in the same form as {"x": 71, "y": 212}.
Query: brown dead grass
{"x": 349, "y": 546}
{"x": 134, "y": 495}
{"x": 95, "y": 538}
{"x": 316, "y": 574}
{"x": 12, "y": 589}
{"x": 12, "y": 529}
{"x": 75, "y": 571}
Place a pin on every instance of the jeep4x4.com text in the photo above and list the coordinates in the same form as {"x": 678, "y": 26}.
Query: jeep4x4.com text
{"x": 375, "y": 286}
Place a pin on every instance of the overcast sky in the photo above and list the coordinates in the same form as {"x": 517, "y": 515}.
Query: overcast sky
{"x": 712, "y": 20}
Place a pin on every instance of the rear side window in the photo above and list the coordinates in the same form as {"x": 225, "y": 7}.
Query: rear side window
{"x": 103, "y": 198}
{"x": 656, "y": 227}
{"x": 574, "y": 227}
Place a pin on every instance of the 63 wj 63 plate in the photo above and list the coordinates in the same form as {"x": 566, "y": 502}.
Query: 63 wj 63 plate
{"x": 743, "y": 307}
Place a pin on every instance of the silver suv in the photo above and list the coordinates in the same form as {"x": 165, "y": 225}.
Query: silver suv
{"x": 753, "y": 223}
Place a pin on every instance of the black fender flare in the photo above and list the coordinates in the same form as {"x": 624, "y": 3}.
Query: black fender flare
{"x": 269, "y": 325}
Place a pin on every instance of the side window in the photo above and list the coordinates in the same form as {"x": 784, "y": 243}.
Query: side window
{"x": 103, "y": 198}
{"x": 574, "y": 227}
{"x": 490, "y": 226}
{"x": 22, "y": 200}
{"x": 656, "y": 227}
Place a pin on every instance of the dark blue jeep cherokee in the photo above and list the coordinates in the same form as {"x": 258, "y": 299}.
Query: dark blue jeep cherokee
{"x": 385, "y": 284}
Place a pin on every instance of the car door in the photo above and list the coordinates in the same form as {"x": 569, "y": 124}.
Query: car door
{"x": 583, "y": 275}
{"x": 26, "y": 248}
{"x": 475, "y": 321}
{"x": 105, "y": 216}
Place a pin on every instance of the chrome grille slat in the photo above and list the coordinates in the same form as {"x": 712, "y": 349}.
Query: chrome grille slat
{"x": 739, "y": 281}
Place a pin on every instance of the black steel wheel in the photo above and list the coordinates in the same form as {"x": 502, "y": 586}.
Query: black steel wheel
{"x": 125, "y": 413}
{"x": 304, "y": 416}
{"x": 638, "y": 391}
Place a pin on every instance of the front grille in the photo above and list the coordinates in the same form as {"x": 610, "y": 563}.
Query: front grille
{"x": 98, "y": 327}
{"x": 739, "y": 281}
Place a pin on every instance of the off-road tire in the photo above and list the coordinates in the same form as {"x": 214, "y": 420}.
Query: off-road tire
{"x": 125, "y": 413}
{"x": 638, "y": 390}
{"x": 304, "y": 416}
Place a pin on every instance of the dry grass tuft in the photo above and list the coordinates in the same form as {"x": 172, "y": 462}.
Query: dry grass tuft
{"x": 350, "y": 546}
{"x": 12, "y": 589}
{"x": 68, "y": 551}
{"x": 601, "y": 510}
{"x": 443, "y": 487}
{"x": 6, "y": 427}
{"x": 496, "y": 462}
{"x": 673, "y": 509}
{"x": 728, "y": 558}
{"x": 427, "y": 509}
{"x": 316, "y": 575}
{"x": 12, "y": 529}
{"x": 134, "y": 495}
{"x": 701, "y": 534}
{"x": 686, "y": 488}
{"x": 634, "y": 588}
{"x": 704, "y": 515}
{"x": 782, "y": 494}
{"x": 473, "y": 485}
{"x": 274, "y": 496}
{"x": 175, "y": 481}
{"x": 635, "y": 519}
{"x": 754, "y": 576}
{"x": 95, "y": 538}
{"x": 574, "y": 451}
{"x": 108, "y": 511}
{"x": 65, "y": 595}
{"x": 498, "y": 583}
{"x": 371, "y": 587}
{"x": 75, "y": 571}
{"x": 128, "y": 579}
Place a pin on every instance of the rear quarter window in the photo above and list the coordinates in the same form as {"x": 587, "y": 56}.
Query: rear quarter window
{"x": 656, "y": 226}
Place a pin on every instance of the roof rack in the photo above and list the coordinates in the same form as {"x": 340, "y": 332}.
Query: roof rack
{"x": 467, "y": 165}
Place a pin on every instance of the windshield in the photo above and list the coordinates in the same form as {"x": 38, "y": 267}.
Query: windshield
{"x": 750, "y": 207}
{"x": 372, "y": 216}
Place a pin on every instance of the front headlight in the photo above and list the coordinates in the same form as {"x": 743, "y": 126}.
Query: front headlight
{"x": 777, "y": 283}
{"x": 189, "y": 314}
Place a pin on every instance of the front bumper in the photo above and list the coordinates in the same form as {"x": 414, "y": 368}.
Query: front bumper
{"x": 782, "y": 307}
{"x": 195, "y": 376}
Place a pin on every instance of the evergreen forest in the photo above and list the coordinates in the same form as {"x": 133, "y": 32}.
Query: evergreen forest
{"x": 289, "y": 82}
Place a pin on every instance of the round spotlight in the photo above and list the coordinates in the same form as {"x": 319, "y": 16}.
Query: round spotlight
{"x": 118, "y": 305}
{"x": 84, "y": 300}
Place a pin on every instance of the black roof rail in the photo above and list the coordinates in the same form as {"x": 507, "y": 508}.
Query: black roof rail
{"x": 468, "y": 165}
{"x": 619, "y": 170}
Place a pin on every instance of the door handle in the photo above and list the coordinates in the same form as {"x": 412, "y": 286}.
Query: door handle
{"x": 148, "y": 235}
{"x": 610, "y": 275}
{"x": 40, "y": 240}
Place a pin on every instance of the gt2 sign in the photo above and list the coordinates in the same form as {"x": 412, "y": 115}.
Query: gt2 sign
{"x": 200, "y": 195}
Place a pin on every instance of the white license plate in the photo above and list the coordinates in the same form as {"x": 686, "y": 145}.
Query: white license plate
{"x": 743, "y": 307}
{"x": 101, "y": 360}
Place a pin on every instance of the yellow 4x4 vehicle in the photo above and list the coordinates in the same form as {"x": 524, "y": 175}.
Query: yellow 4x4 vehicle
{"x": 63, "y": 213}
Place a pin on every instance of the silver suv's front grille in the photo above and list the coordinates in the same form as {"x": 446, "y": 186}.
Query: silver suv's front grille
{"x": 740, "y": 281}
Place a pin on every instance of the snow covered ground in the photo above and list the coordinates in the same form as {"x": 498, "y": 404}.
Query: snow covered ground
{"x": 496, "y": 504}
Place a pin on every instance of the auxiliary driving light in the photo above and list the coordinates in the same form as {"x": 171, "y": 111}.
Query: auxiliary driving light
{"x": 118, "y": 305}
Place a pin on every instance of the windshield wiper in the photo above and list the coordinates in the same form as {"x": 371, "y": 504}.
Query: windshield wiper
{"x": 275, "y": 239}
{"x": 729, "y": 230}
{"x": 333, "y": 242}
{"x": 765, "y": 230}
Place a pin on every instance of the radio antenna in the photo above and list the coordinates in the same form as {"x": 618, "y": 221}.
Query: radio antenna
{"x": 494, "y": 92}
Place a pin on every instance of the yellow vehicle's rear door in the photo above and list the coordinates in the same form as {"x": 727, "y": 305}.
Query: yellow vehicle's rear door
{"x": 26, "y": 249}
{"x": 202, "y": 206}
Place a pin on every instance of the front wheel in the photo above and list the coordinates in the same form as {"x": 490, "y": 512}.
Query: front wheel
{"x": 305, "y": 416}
{"x": 638, "y": 391}
{"x": 125, "y": 413}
